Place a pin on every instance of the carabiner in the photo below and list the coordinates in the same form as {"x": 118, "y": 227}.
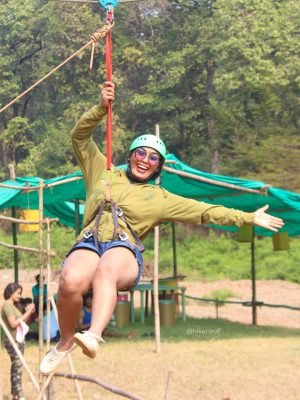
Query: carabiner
{"x": 123, "y": 236}
{"x": 109, "y": 14}
{"x": 88, "y": 234}
{"x": 119, "y": 212}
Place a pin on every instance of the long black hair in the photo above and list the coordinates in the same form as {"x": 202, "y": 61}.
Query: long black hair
{"x": 10, "y": 289}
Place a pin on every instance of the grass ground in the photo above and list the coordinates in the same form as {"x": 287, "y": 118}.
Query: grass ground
{"x": 209, "y": 360}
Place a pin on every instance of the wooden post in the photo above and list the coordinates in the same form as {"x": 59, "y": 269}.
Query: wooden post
{"x": 69, "y": 358}
{"x": 48, "y": 278}
{"x": 15, "y": 243}
{"x": 174, "y": 250}
{"x": 12, "y": 174}
{"x": 77, "y": 218}
{"x": 253, "y": 280}
{"x": 41, "y": 264}
{"x": 155, "y": 277}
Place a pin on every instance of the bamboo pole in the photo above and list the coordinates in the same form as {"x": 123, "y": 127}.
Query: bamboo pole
{"x": 41, "y": 287}
{"x": 106, "y": 386}
{"x": 168, "y": 385}
{"x": 69, "y": 358}
{"x": 20, "y": 355}
{"x": 12, "y": 174}
{"x": 29, "y": 249}
{"x": 25, "y": 221}
{"x": 155, "y": 273}
{"x": 15, "y": 243}
{"x": 48, "y": 278}
{"x": 263, "y": 190}
{"x": 46, "y": 185}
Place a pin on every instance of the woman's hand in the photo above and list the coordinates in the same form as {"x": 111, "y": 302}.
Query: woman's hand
{"x": 107, "y": 94}
{"x": 30, "y": 308}
{"x": 267, "y": 221}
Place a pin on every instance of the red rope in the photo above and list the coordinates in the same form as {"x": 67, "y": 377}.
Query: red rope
{"x": 108, "y": 58}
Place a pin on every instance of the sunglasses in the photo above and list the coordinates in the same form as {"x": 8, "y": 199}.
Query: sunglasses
{"x": 153, "y": 158}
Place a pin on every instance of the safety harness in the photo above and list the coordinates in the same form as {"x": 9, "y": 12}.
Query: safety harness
{"x": 116, "y": 213}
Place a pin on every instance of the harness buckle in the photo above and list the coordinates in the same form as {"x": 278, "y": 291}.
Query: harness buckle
{"x": 119, "y": 211}
{"x": 88, "y": 234}
{"x": 123, "y": 236}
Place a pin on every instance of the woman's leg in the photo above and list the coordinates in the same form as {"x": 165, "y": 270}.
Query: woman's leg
{"x": 15, "y": 370}
{"x": 75, "y": 280}
{"x": 117, "y": 269}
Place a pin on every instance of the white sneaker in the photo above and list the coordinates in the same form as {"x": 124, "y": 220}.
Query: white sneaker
{"x": 89, "y": 342}
{"x": 53, "y": 359}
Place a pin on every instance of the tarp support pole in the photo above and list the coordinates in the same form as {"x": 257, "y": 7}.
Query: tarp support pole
{"x": 174, "y": 250}
{"x": 15, "y": 242}
{"x": 77, "y": 218}
{"x": 155, "y": 273}
{"x": 253, "y": 280}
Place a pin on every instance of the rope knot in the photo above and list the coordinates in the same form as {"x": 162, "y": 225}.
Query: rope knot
{"x": 102, "y": 32}
{"x": 99, "y": 34}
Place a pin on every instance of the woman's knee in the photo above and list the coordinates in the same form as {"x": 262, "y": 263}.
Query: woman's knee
{"x": 78, "y": 272}
{"x": 71, "y": 282}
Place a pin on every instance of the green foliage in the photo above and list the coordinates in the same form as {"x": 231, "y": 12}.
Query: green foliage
{"x": 199, "y": 257}
{"x": 218, "y": 76}
{"x": 206, "y": 329}
{"x": 217, "y": 257}
{"x": 61, "y": 240}
{"x": 16, "y": 139}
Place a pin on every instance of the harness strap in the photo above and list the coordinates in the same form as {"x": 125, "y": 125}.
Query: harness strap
{"x": 117, "y": 212}
{"x": 117, "y": 229}
{"x": 138, "y": 242}
{"x": 97, "y": 221}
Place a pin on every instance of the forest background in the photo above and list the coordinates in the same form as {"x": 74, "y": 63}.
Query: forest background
{"x": 220, "y": 77}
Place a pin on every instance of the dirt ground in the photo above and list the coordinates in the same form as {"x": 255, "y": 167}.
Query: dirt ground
{"x": 233, "y": 369}
{"x": 236, "y": 369}
{"x": 270, "y": 292}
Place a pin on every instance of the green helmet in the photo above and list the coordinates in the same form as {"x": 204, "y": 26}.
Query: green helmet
{"x": 149, "y": 141}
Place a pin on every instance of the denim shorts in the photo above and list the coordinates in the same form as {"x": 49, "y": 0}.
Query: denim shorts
{"x": 89, "y": 244}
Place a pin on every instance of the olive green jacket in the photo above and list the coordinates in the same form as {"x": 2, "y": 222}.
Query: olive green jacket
{"x": 144, "y": 205}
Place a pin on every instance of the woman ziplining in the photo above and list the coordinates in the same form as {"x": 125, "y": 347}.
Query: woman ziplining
{"x": 121, "y": 209}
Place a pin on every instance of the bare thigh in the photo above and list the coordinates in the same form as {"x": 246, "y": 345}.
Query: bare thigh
{"x": 79, "y": 270}
{"x": 119, "y": 265}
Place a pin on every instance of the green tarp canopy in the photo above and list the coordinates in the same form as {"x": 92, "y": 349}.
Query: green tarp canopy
{"x": 60, "y": 194}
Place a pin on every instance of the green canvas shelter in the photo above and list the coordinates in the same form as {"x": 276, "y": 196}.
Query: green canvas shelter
{"x": 61, "y": 198}
{"x": 60, "y": 194}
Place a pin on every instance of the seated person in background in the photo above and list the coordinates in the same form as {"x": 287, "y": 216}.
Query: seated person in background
{"x": 85, "y": 316}
{"x": 36, "y": 293}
